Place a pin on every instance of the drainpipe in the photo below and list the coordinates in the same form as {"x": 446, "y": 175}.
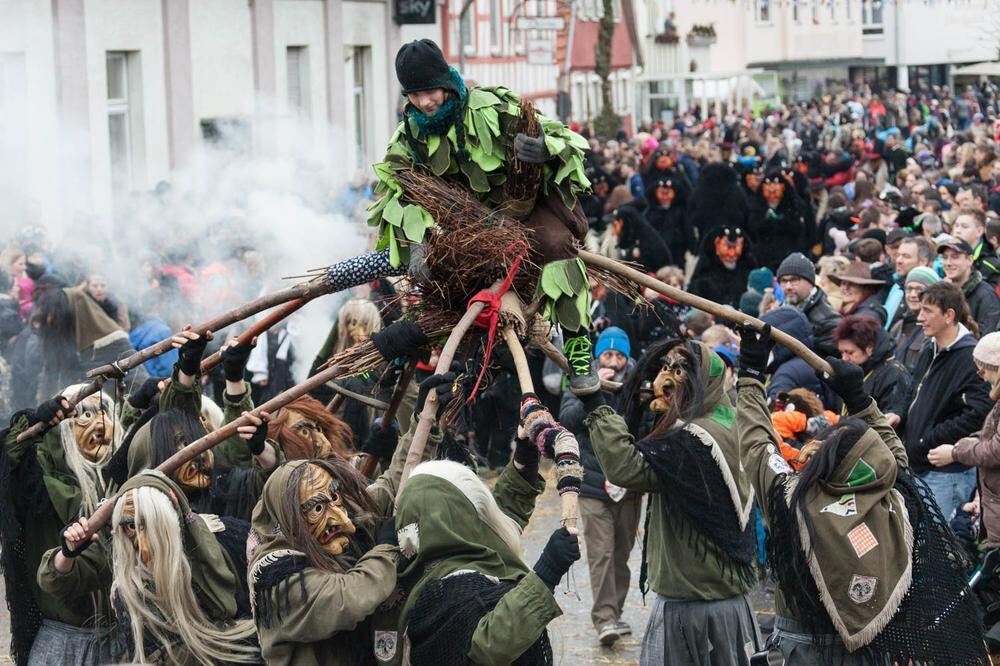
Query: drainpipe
{"x": 461, "y": 35}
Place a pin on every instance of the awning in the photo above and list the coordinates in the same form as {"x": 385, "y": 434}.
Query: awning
{"x": 979, "y": 69}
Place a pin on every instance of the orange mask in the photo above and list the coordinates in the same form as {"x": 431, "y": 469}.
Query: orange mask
{"x": 665, "y": 195}
{"x": 773, "y": 192}
{"x": 753, "y": 181}
{"x": 729, "y": 251}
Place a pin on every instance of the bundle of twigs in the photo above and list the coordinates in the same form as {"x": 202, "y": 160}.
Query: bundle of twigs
{"x": 471, "y": 247}
{"x": 524, "y": 179}
{"x": 364, "y": 357}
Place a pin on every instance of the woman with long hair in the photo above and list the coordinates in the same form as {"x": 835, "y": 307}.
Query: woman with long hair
{"x": 867, "y": 570}
{"x": 700, "y": 549}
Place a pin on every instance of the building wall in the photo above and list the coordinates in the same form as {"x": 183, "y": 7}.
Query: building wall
{"x": 54, "y": 91}
{"x": 220, "y": 34}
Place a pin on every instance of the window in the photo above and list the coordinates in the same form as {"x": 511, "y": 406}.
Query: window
{"x": 815, "y": 12}
{"x": 297, "y": 63}
{"x": 495, "y": 23}
{"x": 833, "y": 12}
{"x": 847, "y": 9}
{"x": 796, "y": 14}
{"x": 361, "y": 55}
{"x": 762, "y": 11}
{"x": 124, "y": 119}
{"x": 871, "y": 16}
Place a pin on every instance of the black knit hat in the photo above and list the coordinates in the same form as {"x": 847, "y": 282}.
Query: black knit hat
{"x": 798, "y": 264}
{"x": 420, "y": 65}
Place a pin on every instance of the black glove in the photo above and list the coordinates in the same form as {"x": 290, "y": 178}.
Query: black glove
{"x": 382, "y": 442}
{"x": 65, "y": 549}
{"x": 142, "y": 398}
{"x": 755, "y": 348}
{"x": 234, "y": 361}
{"x": 403, "y": 338}
{"x": 386, "y": 535}
{"x": 848, "y": 381}
{"x": 527, "y": 455}
{"x": 443, "y": 385}
{"x": 189, "y": 361}
{"x": 256, "y": 443}
{"x": 562, "y": 550}
{"x": 56, "y": 408}
{"x": 530, "y": 149}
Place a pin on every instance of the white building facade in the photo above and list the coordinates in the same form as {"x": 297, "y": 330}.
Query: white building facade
{"x": 100, "y": 98}
{"x": 727, "y": 53}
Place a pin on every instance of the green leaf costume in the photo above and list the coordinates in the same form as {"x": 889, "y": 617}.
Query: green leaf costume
{"x": 474, "y": 152}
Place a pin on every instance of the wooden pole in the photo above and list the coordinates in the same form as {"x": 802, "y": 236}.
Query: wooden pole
{"x": 305, "y": 290}
{"x": 262, "y": 326}
{"x": 335, "y": 402}
{"x": 207, "y": 364}
{"x": 371, "y": 462}
{"x": 363, "y": 399}
{"x": 711, "y": 307}
{"x": 568, "y": 501}
{"x": 429, "y": 414}
{"x": 103, "y": 513}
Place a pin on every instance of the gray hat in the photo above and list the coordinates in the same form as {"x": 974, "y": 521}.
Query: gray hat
{"x": 799, "y": 265}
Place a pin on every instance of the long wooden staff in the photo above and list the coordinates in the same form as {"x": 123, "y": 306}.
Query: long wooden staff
{"x": 429, "y": 414}
{"x": 568, "y": 500}
{"x": 705, "y": 305}
{"x": 402, "y": 384}
{"x": 207, "y": 364}
{"x": 305, "y": 290}
{"x": 103, "y": 513}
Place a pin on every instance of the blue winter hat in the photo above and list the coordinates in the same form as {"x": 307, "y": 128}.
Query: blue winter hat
{"x": 613, "y": 338}
{"x": 760, "y": 279}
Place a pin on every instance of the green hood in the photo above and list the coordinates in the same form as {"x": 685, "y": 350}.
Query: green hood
{"x": 212, "y": 572}
{"x": 440, "y": 532}
{"x": 860, "y": 554}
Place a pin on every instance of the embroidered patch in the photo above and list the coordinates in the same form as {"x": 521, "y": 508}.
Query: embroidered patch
{"x": 385, "y": 645}
{"x": 409, "y": 540}
{"x": 862, "y": 588}
{"x": 862, "y": 540}
{"x": 861, "y": 474}
{"x": 778, "y": 464}
{"x": 846, "y": 506}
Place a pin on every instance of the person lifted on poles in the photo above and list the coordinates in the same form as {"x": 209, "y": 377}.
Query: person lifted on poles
{"x": 467, "y": 135}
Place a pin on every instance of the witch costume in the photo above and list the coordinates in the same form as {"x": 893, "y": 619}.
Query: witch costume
{"x": 700, "y": 551}
{"x": 875, "y": 576}
{"x": 307, "y": 615}
{"x": 469, "y": 141}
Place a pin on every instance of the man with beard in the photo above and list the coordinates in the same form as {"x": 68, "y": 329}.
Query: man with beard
{"x": 320, "y": 565}
{"x": 666, "y": 214}
{"x": 777, "y": 226}
{"x": 469, "y": 135}
{"x": 797, "y": 277}
{"x": 46, "y": 484}
{"x": 723, "y": 267}
{"x": 702, "y": 546}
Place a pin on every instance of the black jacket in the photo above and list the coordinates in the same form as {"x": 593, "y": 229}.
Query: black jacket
{"x": 712, "y": 280}
{"x": 909, "y": 337}
{"x": 872, "y": 307}
{"x": 571, "y": 416}
{"x": 787, "y": 371}
{"x": 983, "y": 303}
{"x": 778, "y": 232}
{"x": 673, "y": 227}
{"x": 886, "y": 379}
{"x": 948, "y": 401}
{"x": 640, "y": 243}
{"x": 823, "y": 319}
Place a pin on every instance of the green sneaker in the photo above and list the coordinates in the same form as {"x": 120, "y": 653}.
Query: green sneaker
{"x": 579, "y": 354}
